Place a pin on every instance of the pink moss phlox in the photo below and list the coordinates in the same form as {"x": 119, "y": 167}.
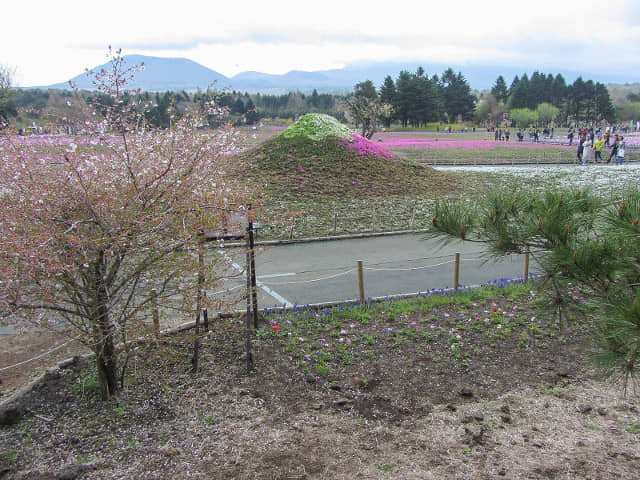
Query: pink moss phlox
{"x": 366, "y": 147}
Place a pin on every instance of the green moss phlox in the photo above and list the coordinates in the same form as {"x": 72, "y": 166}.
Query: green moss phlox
{"x": 316, "y": 127}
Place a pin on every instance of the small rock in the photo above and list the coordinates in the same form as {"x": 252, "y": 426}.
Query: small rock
{"x": 505, "y": 408}
{"x": 466, "y": 392}
{"x": 342, "y": 402}
{"x": 317, "y": 406}
{"x": 474, "y": 435}
{"x": 451, "y": 407}
{"x": 478, "y": 416}
{"x": 53, "y": 373}
{"x": 505, "y": 418}
{"x": 4, "y": 469}
{"x": 602, "y": 411}
{"x": 70, "y": 472}
{"x": 537, "y": 444}
{"x": 467, "y": 419}
{"x": 502, "y": 472}
{"x": 584, "y": 408}
{"x": 336, "y": 388}
{"x": 562, "y": 372}
{"x": 169, "y": 451}
{"x": 10, "y": 415}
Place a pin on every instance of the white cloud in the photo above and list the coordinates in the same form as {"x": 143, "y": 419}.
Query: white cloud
{"x": 50, "y": 42}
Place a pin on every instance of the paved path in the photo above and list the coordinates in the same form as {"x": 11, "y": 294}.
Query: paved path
{"x": 320, "y": 272}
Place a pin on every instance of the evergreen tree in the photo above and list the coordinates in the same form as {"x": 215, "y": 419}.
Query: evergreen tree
{"x": 252, "y": 116}
{"x": 499, "y": 89}
{"x": 519, "y": 93}
{"x": 314, "y": 100}
{"x": 536, "y": 91}
{"x": 575, "y": 238}
{"x": 558, "y": 91}
{"x": 603, "y": 104}
{"x": 404, "y": 101}
{"x": 457, "y": 97}
{"x": 238, "y": 107}
{"x": 388, "y": 95}
{"x": 366, "y": 89}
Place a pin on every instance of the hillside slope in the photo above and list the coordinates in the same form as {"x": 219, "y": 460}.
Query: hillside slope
{"x": 318, "y": 158}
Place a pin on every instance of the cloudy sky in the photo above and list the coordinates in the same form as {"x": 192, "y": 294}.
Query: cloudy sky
{"x": 47, "y": 42}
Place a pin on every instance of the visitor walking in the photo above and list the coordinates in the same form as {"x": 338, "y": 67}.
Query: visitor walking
{"x": 586, "y": 151}
{"x": 580, "y": 149}
{"x": 620, "y": 152}
{"x": 614, "y": 148}
{"x": 597, "y": 148}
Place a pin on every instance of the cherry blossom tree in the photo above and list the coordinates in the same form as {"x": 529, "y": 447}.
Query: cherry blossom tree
{"x": 96, "y": 228}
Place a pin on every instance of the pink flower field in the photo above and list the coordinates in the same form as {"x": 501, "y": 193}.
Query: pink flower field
{"x": 394, "y": 142}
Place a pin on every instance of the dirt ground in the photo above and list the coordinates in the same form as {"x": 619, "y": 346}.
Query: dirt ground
{"x": 401, "y": 408}
{"x": 27, "y": 346}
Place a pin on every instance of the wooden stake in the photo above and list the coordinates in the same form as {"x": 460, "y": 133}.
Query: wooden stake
{"x": 248, "y": 329}
{"x": 154, "y": 312}
{"x": 360, "y": 281}
{"x": 456, "y": 273}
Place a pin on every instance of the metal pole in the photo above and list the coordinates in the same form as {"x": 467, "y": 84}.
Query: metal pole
{"x": 526, "y": 266}
{"x": 456, "y": 273}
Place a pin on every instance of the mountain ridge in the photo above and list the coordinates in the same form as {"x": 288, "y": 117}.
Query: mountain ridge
{"x": 179, "y": 73}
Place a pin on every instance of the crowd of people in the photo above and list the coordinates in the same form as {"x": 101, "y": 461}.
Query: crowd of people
{"x": 592, "y": 142}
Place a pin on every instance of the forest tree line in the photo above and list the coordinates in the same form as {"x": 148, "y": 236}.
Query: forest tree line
{"x": 416, "y": 99}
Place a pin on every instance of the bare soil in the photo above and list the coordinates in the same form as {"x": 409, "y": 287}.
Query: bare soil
{"x": 22, "y": 349}
{"x": 517, "y": 406}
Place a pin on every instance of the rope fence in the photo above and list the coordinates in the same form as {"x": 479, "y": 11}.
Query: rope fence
{"x": 360, "y": 268}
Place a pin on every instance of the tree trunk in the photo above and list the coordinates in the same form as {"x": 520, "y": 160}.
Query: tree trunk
{"x": 106, "y": 357}
{"x": 107, "y": 370}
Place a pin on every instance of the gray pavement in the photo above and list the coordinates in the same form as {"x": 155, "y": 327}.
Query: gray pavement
{"x": 319, "y": 272}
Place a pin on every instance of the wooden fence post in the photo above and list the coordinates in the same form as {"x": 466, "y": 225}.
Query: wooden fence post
{"x": 154, "y": 312}
{"x": 248, "y": 317}
{"x": 456, "y": 273}
{"x": 360, "y": 281}
{"x": 293, "y": 224}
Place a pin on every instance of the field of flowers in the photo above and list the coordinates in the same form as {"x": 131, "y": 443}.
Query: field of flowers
{"x": 333, "y": 193}
{"x": 477, "y": 148}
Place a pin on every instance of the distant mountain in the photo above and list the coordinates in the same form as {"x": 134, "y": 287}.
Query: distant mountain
{"x": 161, "y": 74}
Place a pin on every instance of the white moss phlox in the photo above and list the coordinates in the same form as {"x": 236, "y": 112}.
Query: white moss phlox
{"x": 316, "y": 127}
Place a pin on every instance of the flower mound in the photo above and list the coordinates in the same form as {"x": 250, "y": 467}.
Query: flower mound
{"x": 316, "y": 127}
